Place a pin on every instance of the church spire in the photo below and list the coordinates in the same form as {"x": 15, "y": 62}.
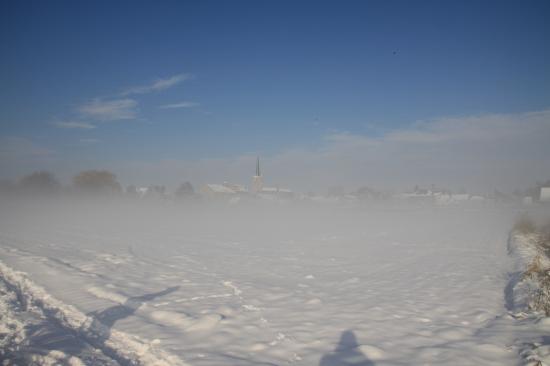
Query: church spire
{"x": 257, "y": 183}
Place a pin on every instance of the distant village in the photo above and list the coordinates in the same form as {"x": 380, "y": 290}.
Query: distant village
{"x": 102, "y": 182}
{"x": 233, "y": 193}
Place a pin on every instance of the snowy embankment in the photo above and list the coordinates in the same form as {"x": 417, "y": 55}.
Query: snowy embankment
{"x": 19, "y": 294}
{"x": 528, "y": 291}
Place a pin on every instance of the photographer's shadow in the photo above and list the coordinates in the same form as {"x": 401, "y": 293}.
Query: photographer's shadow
{"x": 347, "y": 353}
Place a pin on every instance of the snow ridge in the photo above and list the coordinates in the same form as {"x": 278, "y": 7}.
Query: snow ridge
{"x": 524, "y": 249}
{"x": 523, "y": 293}
{"x": 124, "y": 348}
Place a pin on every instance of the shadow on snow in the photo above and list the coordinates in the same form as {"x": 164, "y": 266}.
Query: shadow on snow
{"x": 46, "y": 335}
{"x": 346, "y": 353}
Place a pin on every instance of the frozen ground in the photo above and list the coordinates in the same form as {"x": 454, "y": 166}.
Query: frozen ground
{"x": 236, "y": 286}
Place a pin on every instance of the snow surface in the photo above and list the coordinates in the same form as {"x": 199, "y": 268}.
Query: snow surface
{"x": 266, "y": 285}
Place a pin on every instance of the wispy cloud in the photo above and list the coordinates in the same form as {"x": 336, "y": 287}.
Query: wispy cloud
{"x": 74, "y": 125}
{"x": 157, "y": 85}
{"x": 110, "y": 110}
{"x": 183, "y": 104}
{"x": 117, "y": 108}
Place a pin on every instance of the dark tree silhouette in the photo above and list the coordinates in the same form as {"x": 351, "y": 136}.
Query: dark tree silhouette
{"x": 185, "y": 190}
{"x": 96, "y": 182}
{"x": 42, "y": 183}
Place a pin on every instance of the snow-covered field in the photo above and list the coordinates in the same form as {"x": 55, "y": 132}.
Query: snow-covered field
{"x": 161, "y": 284}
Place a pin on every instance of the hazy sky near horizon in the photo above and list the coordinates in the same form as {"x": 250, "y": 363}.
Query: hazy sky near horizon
{"x": 379, "y": 93}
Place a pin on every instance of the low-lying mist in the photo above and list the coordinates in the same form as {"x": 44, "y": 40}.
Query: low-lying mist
{"x": 256, "y": 220}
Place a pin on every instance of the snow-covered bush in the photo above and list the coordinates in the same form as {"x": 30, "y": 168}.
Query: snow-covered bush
{"x": 532, "y": 247}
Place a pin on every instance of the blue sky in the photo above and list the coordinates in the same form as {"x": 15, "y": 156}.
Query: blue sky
{"x": 101, "y": 83}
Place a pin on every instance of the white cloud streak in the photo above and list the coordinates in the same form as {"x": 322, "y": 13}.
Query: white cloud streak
{"x": 157, "y": 85}
{"x": 184, "y": 104}
{"x": 74, "y": 125}
{"x": 110, "y": 110}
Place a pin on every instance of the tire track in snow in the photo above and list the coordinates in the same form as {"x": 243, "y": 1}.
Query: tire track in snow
{"x": 28, "y": 336}
{"x": 124, "y": 348}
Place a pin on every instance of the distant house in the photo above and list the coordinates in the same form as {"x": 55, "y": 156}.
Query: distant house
{"x": 275, "y": 193}
{"x": 443, "y": 199}
{"x": 151, "y": 192}
{"x": 350, "y": 198}
{"x": 226, "y": 192}
{"x": 217, "y": 191}
{"x": 323, "y": 199}
{"x": 141, "y": 191}
{"x": 237, "y": 188}
{"x": 419, "y": 196}
{"x": 477, "y": 198}
{"x": 366, "y": 193}
{"x": 544, "y": 194}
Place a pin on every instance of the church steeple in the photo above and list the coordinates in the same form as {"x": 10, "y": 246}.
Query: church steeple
{"x": 257, "y": 181}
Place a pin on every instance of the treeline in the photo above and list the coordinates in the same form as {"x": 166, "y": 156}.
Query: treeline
{"x": 86, "y": 183}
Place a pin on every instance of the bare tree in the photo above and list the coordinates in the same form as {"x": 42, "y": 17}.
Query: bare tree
{"x": 185, "y": 190}
{"x": 96, "y": 182}
{"x": 41, "y": 183}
